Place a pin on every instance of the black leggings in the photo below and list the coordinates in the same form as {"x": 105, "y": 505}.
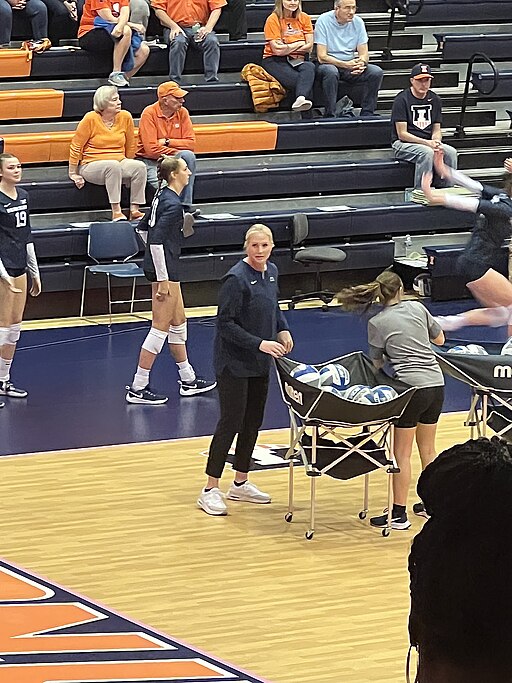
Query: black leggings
{"x": 242, "y": 405}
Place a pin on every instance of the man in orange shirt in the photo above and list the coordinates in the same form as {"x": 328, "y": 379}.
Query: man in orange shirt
{"x": 190, "y": 24}
{"x": 165, "y": 128}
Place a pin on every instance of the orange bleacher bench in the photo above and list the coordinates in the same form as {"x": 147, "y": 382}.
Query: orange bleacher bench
{"x": 245, "y": 136}
{"x": 31, "y": 104}
{"x": 15, "y": 63}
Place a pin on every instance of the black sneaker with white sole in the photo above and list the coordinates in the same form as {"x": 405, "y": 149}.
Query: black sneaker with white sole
{"x": 419, "y": 509}
{"x": 198, "y": 386}
{"x": 400, "y": 523}
{"x": 8, "y": 389}
{"x": 145, "y": 396}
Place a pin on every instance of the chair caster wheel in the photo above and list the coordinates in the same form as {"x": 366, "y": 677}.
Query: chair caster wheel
{"x": 291, "y": 305}
{"x": 362, "y": 514}
{"x": 288, "y": 517}
{"x": 309, "y": 535}
{"x": 385, "y": 532}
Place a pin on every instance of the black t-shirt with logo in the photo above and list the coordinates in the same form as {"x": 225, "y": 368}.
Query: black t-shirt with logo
{"x": 419, "y": 114}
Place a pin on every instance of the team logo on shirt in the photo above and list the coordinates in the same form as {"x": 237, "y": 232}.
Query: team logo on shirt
{"x": 421, "y": 115}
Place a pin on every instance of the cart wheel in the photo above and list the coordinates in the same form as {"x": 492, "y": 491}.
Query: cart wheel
{"x": 291, "y": 305}
{"x": 385, "y": 532}
{"x": 288, "y": 516}
{"x": 309, "y": 535}
{"x": 362, "y": 514}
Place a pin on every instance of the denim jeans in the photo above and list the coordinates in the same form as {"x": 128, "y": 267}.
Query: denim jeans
{"x": 331, "y": 75}
{"x": 178, "y": 47}
{"x": 423, "y": 157}
{"x": 187, "y": 195}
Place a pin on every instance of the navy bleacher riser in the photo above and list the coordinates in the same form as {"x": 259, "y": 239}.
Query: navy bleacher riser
{"x": 442, "y": 12}
{"x": 66, "y": 242}
{"x": 459, "y": 47}
{"x": 483, "y": 82}
{"x": 272, "y": 181}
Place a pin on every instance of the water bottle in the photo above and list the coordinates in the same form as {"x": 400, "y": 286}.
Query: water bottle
{"x": 195, "y": 28}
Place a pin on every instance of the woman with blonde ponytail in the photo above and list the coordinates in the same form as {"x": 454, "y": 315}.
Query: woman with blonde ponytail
{"x": 401, "y": 332}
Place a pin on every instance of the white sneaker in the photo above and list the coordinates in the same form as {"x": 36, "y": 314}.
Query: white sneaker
{"x": 212, "y": 502}
{"x": 248, "y": 492}
{"x": 302, "y": 104}
{"x": 118, "y": 79}
{"x": 450, "y": 323}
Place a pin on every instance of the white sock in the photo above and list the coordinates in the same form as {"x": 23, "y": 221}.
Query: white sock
{"x": 186, "y": 371}
{"x": 5, "y": 369}
{"x": 140, "y": 379}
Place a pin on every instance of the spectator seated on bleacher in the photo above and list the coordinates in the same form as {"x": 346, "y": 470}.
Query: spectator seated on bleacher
{"x": 63, "y": 17}
{"x": 165, "y": 128}
{"x": 36, "y": 13}
{"x": 190, "y": 25}
{"x": 416, "y": 119}
{"x": 102, "y": 152}
{"x": 289, "y": 41}
{"x": 339, "y": 35}
{"x": 105, "y": 27}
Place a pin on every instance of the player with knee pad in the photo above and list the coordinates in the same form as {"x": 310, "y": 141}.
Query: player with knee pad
{"x": 483, "y": 251}
{"x": 163, "y": 232}
{"x": 17, "y": 255}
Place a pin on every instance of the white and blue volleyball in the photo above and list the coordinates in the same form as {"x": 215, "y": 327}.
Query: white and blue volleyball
{"x": 360, "y": 393}
{"x": 383, "y": 393}
{"x": 334, "y": 375}
{"x": 506, "y": 349}
{"x": 476, "y": 350}
{"x": 459, "y": 349}
{"x": 306, "y": 374}
{"x": 330, "y": 389}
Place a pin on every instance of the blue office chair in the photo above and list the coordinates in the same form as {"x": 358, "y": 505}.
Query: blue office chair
{"x": 112, "y": 245}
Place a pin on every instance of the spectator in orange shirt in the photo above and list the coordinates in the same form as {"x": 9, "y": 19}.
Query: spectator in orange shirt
{"x": 102, "y": 152}
{"x": 289, "y": 41}
{"x": 190, "y": 24}
{"x": 105, "y": 27}
{"x": 165, "y": 128}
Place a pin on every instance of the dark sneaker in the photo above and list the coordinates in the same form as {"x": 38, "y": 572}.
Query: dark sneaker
{"x": 145, "y": 396}
{"x": 419, "y": 509}
{"x": 8, "y": 389}
{"x": 400, "y": 523}
{"x": 198, "y": 386}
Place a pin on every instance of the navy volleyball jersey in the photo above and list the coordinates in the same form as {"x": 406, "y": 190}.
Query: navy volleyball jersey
{"x": 14, "y": 231}
{"x": 164, "y": 224}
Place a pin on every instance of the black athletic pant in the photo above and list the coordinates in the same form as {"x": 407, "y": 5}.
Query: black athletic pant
{"x": 242, "y": 404}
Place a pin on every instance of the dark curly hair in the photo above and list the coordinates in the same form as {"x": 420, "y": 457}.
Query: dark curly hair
{"x": 460, "y": 566}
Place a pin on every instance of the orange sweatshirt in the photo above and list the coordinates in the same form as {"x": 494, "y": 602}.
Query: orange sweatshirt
{"x": 93, "y": 141}
{"x": 154, "y": 125}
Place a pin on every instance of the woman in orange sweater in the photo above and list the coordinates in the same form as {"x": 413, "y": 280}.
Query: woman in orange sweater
{"x": 289, "y": 41}
{"x": 102, "y": 152}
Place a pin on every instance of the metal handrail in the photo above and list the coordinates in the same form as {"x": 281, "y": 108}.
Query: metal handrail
{"x": 459, "y": 129}
{"x": 404, "y": 7}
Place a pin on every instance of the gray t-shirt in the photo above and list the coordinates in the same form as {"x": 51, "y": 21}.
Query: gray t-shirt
{"x": 402, "y": 332}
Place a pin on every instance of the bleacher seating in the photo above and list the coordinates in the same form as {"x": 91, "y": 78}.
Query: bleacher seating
{"x": 281, "y": 163}
{"x": 441, "y": 12}
{"x": 458, "y": 47}
{"x": 483, "y": 82}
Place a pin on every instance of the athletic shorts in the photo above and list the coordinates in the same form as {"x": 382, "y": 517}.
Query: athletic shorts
{"x": 424, "y": 407}
{"x": 97, "y": 40}
{"x": 16, "y": 272}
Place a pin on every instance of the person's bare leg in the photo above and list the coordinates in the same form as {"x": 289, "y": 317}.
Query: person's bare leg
{"x": 121, "y": 47}
{"x": 140, "y": 59}
{"x": 403, "y": 441}
{"x": 426, "y": 442}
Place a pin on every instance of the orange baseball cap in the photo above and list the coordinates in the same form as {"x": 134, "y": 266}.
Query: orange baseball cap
{"x": 170, "y": 88}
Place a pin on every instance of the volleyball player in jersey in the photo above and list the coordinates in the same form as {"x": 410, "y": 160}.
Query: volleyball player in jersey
{"x": 17, "y": 254}
{"x": 483, "y": 251}
{"x": 162, "y": 231}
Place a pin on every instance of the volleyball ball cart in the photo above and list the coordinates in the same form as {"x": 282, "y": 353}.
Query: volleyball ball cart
{"x": 316, "y": 413}
{"x": 490, "y": 379}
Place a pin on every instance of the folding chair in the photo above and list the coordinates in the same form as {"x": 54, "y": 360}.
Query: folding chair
{"x": 111, "y": 246}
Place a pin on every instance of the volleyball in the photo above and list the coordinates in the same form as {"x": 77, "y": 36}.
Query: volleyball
{"x": 383, "y": 393}
{"x": 307, "y": 374}
{"x": 360, "y": 393}
{"x": 476, "y": 350}
{"x": 459, "y": 349}
{"x": 506, "y": 349}
{"x": 333, "y": 375}
{"x": 331, "y": 389}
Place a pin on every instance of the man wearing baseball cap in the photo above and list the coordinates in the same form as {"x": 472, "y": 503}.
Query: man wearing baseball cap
{"x": 165, "y": 128}
{"x": 416, "y": 119}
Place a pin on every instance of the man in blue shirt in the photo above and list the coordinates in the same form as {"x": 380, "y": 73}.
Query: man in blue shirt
{"x": 342, "y": 51}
